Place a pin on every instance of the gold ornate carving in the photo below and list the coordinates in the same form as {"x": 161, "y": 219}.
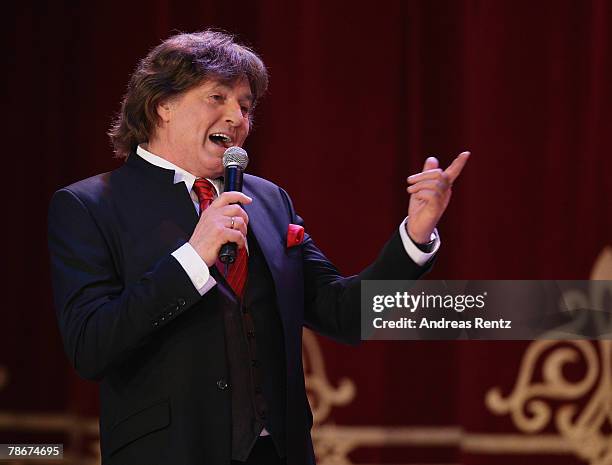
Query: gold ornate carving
{"x": 334, "y": 443}
{"x": 581, "y": 410}
{"x": 582, "y": 426}
{"x": 321, "y": 394}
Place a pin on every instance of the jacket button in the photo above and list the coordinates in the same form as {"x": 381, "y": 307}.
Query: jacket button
{"x": 155, "y": 323}
{"x": 181, "y": 302}
{"x": 222, "y": 384}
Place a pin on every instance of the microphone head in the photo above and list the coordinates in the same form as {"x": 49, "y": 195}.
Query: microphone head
{"x": 235, "y": 156}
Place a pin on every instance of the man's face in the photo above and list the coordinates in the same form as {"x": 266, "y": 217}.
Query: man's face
{"x": 201, "y": 123}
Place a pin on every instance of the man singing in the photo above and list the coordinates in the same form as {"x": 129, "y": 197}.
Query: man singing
{"x": 199, "y": 365}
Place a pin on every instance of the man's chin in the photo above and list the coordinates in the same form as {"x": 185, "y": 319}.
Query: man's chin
{"x": 213, "y": 167}
{"x": 213, "y": 160}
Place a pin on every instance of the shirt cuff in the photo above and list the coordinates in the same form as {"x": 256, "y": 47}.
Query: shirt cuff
{"x": 418, "y": 256}
{"x": 195, "y": 267}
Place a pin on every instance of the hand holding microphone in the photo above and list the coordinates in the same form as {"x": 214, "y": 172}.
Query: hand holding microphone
{"x": 224, "y": 222}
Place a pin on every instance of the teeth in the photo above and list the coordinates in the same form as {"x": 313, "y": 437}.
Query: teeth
{"x": 224, "y": 137}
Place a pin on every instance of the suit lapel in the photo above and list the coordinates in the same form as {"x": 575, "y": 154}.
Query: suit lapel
{"x": 162, "y": 198}
{"x": 261, "y": 225}
{"x": 185, "y": 213}
{"x": 267, "y": 225}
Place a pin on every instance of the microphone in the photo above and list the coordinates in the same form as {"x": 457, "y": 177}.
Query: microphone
{"x": 235, "y": 161}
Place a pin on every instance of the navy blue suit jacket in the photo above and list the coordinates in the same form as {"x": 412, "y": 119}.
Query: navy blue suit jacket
{"x": 131, "y": 318}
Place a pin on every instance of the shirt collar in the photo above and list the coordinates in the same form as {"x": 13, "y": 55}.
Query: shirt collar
{"x": 180, "y": 175}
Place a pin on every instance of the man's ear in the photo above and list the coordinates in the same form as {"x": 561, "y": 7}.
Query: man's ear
{"x": 164, "y": 110}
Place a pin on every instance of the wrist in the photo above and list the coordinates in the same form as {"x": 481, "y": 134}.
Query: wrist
{"x": 418, "y": 239}
{"x": 209, "y": 260}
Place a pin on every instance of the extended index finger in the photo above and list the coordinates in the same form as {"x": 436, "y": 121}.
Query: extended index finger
{"x": 454, "y": 170}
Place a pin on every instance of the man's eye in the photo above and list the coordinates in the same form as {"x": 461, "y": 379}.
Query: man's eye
{"x": 217, "y": 98}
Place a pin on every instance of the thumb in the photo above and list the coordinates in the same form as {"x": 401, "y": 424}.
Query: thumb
{"x": 430, "y": 164}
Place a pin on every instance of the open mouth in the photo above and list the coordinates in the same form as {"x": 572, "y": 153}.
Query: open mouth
{"x": 221, "y": 139}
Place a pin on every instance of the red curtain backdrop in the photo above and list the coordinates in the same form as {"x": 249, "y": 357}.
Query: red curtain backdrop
{"x": 360, "y": 95}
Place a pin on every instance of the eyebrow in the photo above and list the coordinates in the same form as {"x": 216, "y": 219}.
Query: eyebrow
{"x": 249, "y": 97}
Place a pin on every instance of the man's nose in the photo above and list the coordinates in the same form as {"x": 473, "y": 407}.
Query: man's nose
{"x": 233, "y": 114}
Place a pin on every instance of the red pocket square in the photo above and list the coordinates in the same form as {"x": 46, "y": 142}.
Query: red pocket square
{"x": 295, "y": 235}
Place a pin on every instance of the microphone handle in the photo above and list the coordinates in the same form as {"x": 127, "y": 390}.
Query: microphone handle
{"x": 227, "y": 254}
{"x": 233, "y": 182}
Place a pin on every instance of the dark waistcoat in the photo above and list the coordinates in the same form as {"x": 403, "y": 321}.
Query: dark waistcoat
{"x": 256, "y": 360}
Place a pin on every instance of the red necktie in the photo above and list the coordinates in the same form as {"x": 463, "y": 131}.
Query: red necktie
{"x": 237, "y": 274}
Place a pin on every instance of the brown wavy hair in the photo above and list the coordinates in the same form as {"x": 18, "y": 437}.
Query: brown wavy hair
{"x": 178, "y": 64}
